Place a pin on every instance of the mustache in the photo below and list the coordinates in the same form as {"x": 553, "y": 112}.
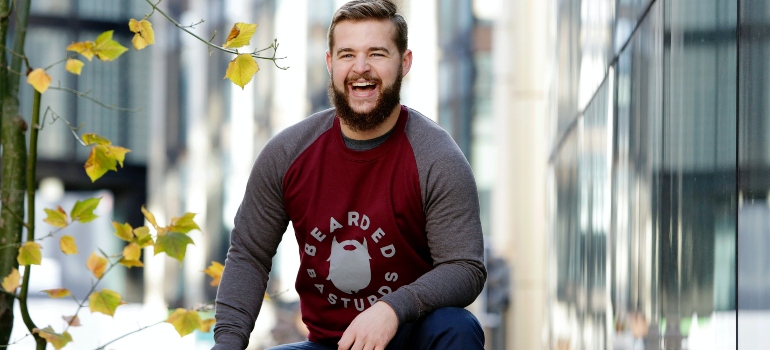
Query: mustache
{"x": 366, "y": 76}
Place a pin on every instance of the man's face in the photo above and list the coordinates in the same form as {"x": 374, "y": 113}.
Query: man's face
{"x": 366, "y": 70}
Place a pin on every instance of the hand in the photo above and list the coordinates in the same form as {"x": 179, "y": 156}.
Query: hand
{"x": 371, "y": 330}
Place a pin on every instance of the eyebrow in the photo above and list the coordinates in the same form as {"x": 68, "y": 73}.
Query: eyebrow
{"x": 371, "y": 49}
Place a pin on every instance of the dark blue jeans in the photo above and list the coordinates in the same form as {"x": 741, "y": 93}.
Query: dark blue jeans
{"x": 445, "y": 328}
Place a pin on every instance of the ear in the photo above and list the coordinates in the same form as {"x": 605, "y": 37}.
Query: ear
{"x": 406, "y": 62}
{"x": 329, "y": 62}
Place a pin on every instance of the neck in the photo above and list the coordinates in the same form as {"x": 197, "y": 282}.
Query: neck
{"x": 378, "y": 131}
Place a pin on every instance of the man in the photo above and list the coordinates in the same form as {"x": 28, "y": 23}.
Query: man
{"x": 383, "y": 204}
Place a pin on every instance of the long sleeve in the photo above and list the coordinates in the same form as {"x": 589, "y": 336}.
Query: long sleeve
{"x": 259, "y": 224}
{"x": 453, "y": 227}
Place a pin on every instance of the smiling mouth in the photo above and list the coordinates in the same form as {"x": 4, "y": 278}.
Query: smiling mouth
{"x": 365, "y": 86}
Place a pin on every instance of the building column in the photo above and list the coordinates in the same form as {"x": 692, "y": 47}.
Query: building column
{"x": 521, "y": 55}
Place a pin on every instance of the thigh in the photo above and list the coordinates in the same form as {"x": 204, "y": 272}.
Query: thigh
{"x": 445, "y": 328}
{"x": 303, "y": 345}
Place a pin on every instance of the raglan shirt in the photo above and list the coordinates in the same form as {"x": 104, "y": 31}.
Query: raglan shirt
{"x": 397, "y": 223}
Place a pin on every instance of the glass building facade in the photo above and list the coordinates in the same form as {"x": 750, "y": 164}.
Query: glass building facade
{"x": 659, "y": 175}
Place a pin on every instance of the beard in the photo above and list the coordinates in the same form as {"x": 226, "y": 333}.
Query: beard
{"x": 389, "y": 98}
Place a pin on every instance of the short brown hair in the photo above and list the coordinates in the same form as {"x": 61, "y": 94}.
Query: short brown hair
{"x": 359, "y": 10}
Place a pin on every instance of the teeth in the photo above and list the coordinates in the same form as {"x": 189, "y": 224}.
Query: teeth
{"x": 363, "y": 84}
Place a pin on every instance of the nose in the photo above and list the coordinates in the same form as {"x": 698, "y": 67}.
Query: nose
{"x": 361, "y": 65}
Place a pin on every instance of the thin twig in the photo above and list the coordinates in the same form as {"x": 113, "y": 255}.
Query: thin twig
{"x": 55, "y": 117}
{"x": 94, "y": 100}
{"x": 153, "y": 10}
{"x": 14, "y": 53}
{"x": 55, "y": 63}
{"x": 212, "y": 45}
{"x": 15, "y": 341}
{"x": 192, "y": 26}
{"x": 127, "y": 334}
{"x": 93, "y": 288}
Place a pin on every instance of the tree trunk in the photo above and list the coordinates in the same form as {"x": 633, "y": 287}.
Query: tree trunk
{"x": 14, "y": 156}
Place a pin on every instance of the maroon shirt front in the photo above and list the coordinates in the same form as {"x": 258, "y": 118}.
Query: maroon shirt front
{"x": 359, "y": 222}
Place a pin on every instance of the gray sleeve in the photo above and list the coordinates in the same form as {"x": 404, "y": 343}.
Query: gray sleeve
{"x": 453, "y": 227}
{"x": 260, "y": 223}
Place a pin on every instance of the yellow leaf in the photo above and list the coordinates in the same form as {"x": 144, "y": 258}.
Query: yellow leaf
{"x": 174, "y": 244}
{"x": 131, "y": 263}
{"x": 184, "y": 224}
{"x": 57, "y": 218}
{"x": 144, "y": 34}
{"x": 215, "y": 271}
{"x": 107, "y": 49}
{"x": 97, "y": 265}
{"x": 102, "y": 159}
{"x": 132, "y": 252}
{"x": 206, "y": 325}
{"x": 240, "y": 35}
{"x": 74, "y": 66}
{"x": 85, "y": 48}
{"x": 91, "y": 138}
{"x": 29, "y": 254}
{"x": 241, "y": 69}
{"x": 67, "y": 245}
{"x": 57, "y": 293}
{"x": 83, "y": 211}
{"x": 123, "y": 231}
{"x": 57, "y": 340}
{"x": 105, "y": 302}
{"x": 185, "y": 321}
{"x": 12, "y": 281}
{"x": 73, "y": 321}
{"x": 150, "y": 217}
{"x": 39, "y": 79}
{"x": 143, "y": 237}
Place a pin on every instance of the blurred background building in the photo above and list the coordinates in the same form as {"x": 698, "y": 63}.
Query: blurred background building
{"x": 621, "y": 150}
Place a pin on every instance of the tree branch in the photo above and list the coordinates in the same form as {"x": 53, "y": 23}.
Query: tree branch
{"x": 274, "y": 46}
{"x": 86, "y": 96}
{"x": 127, "y": 334}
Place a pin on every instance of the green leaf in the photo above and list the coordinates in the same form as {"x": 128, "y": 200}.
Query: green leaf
{"x": 174, "y": 244}
{"x": 143, "y": 237}
{"x": 29, "y": 254}
{"x": 184, "y": 224}
{"x": 105, "y": 302}
{"x": 241, "y": 69}
{"x": 83, "y": 211}
{"x": 56, "y": 218}
{"x": 57, "y": 340}
{"x": 123, "y": 231}
{"x": 103, "y": 158}
{"x": 107, "y": 49}
{"x": 185, "y": 321}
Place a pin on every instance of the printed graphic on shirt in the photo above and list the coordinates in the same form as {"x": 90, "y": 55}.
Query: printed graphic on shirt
{"x": 349, "y": 282}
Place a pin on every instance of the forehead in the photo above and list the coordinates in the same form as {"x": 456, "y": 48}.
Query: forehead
{"x": 364, "y": 34}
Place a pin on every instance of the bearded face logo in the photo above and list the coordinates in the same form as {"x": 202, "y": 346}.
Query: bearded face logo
{"x": 349, "y": 266}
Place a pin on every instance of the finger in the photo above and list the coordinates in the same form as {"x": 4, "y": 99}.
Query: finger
{"x": 346, "y": 342}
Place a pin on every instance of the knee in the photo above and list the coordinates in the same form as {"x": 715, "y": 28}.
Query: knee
{"x": 454, "y": 321}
